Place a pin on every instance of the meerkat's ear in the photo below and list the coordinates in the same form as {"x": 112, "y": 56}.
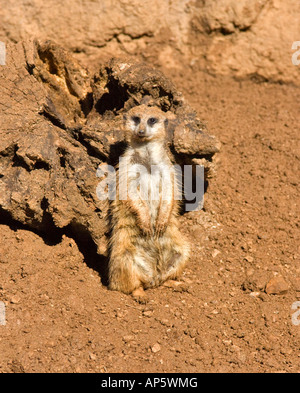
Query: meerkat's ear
{"x": 124, "y": 117}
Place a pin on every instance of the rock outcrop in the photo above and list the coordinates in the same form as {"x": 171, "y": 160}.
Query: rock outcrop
{"x": 58, "y": 123}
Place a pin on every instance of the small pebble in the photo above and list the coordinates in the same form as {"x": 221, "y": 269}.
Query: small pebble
{"x": 155, "y": 348}
{"x": 277, "y": 286}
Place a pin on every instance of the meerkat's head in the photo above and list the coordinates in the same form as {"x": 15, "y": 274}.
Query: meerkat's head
{"x": 145, "y": 124}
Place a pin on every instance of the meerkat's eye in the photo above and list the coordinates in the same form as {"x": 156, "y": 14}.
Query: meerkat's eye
{"x": 151, "y": 121}
{"x": 136, "y": 120}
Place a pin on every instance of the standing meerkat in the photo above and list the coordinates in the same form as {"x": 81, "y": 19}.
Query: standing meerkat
{"x": 146, "y": 247}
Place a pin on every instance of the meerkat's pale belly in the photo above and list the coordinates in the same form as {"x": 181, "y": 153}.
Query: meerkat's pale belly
{"x": 159, "y": 186}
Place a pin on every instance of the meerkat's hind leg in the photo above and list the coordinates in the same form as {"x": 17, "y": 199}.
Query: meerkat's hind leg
{"x": 131, "y": 266}
{"x": 123, "y": 276}
{"x": 145, "y": 261}
{"x": 175, "y": 251}
{"x": 173, "y": 283}
{"x": 139, "y": 295}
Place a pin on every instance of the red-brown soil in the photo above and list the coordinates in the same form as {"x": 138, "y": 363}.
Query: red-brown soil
{"x": 62, "y": 318}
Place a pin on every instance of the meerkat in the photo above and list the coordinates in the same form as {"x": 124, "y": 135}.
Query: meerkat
{"x": 146, "y": 246}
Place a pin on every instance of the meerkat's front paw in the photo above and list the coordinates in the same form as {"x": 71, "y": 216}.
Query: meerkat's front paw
{"x": 160, "y": 227}
{"x": 146, "y": 228}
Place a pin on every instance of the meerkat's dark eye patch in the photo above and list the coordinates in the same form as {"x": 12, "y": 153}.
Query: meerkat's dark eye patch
{"x": 136, "y": 119}
{"x": 151, "y": 121}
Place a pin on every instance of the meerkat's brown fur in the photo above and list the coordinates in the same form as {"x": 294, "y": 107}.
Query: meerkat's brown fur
{"x": 146, "y": 245}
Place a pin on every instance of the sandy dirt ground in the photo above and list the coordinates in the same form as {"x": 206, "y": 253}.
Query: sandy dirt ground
{"x": 232, "y": 312}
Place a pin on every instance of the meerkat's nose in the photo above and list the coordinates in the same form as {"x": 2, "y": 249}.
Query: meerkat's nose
{"x": 141, "y": 132}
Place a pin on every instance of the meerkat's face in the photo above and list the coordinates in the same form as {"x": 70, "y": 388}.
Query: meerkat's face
{"x": 144, "y": 124}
